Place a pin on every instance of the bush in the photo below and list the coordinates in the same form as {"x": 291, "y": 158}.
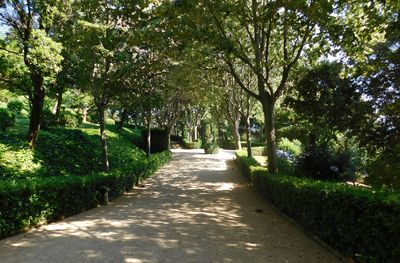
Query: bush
{"x": 109, "y": 121}
{"x": 7, "y": 119}
{"x": 259, "y": 151}
{"x": 293, "y": 147}
{"x": 211, "y": 148}
{"x": 49, "y": 119}
{"x": 385, "y": 171}
{"x": 360, "y": 223}
{"x": 70, "y": 119}
{"x": 192, "y": 145}
{"x": 26, "y": 203}
{"x": 320, "y": 163}
{"x": 15, "y": 106}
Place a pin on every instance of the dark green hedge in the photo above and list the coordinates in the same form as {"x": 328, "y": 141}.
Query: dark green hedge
{"x": 360, "y": 223}
{"x": 27, "y": 203}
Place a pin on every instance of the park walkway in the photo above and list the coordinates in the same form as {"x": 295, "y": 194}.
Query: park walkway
{"x": 199, "y": 208}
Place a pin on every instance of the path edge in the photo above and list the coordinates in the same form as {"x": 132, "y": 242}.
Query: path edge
{"x": 332, "y": 250}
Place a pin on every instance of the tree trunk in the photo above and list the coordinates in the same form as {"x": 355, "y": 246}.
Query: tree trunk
{"x": 195, "y": 133}
{"x": 248, "y": 137}
{"x": 124, "y": 115}
{"x": 84, "y": 114}
{"x": 168, "y": 137}
{"x": 103, "y": 135}
{"x": 236, "y": 134}
{"x": 190, "y": 132}
{"x": 37, "y": 109}
{"x": 269, "y": 118}
{"x": 58, "y": 108}
{"x": 148, "y": 145}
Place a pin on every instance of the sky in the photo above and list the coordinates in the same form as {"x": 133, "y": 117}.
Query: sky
{"x": 3, "y": 30}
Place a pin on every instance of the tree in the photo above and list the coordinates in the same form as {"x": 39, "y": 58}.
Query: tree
{"x": 31, "y": 22}
{"x": 102, "y": 51}
{"x": 268, "y": 37}
{"x": 323, "y": 90}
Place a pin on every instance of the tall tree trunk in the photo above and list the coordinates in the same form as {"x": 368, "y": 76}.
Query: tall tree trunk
{"x": 59, "y": 102}
{"x": 84, "y": 113}
{"x": 236, "y": 134}
{"x": 168, "y": 137}
{"x": 148, "y": 145}
{"x": 195, "y": 133}
{"x": 248, "y": 137}
{"x": 124, "y": 116}
{"x": 190, "y": 133}
{"x": 37, "y": 109}
{"x": 269, "y": 118}
{"x": 103, "y": 135}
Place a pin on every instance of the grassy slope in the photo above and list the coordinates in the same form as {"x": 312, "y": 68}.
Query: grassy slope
{"x": 61, "y": 150}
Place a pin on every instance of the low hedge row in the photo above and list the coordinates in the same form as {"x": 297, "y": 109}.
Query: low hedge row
{"x": 360, "y": 223}
{"x": 192, "y": 145}
{"x": 25, "y": 203}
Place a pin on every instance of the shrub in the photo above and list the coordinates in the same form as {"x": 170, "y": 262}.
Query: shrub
{"x": 385, "y": 171}
{"x": 259, "y": 151}
{"x": 192, "y": 145}
{"x": 49, "y": 119}
{"x": 7, "y": 119}
{"x": 293, "y": 147}
{"x": 25, "y": 203}
{"x": 70, "y": 119}
{"x": 109, "y": 121}
{"x": 211, "y": 148}
{"x": 320, "y": 163}
{"x": 359, "y": 222}
{"x": 15, "y": 106}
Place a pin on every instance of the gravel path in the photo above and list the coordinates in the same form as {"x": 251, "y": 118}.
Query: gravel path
{"x": 199, "y": 208}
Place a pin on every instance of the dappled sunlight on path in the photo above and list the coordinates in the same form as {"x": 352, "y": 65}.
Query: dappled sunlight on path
{"x": 199, "y": 208}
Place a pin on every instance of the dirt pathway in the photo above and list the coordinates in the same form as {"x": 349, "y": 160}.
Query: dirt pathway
{"x": 199, "y": 208}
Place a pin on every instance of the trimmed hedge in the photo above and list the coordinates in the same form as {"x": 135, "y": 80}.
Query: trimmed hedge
{"x": 211, "y": 148}
{"x": 26, "y": 203}
{"x": 360, "y": 223}
{"x": 192, "y": 145}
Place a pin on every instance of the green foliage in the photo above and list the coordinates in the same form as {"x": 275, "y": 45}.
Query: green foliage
{"x": 293, "y": 147}
{"x": 25, "y": 203}
{"x": 65, "y": 152}
{"x": 45, "y": 53}
{"x": 259, "y": 151}
{"x": 385, "y": 171}
{"x": 320, "y": 162}
{"x": 7, "y": 119}
{"x": 359, "y": 222}
{"x": 17, "y": 160}
{"x": 254, "y": 144}
{"x": 70, "y": 119}
{"x": 15, "y": 106}
{"x": 322, "y": 89}
{"x": 211, "y": 148}
{"x": 192, "y": 145}
{"x": 49, "y": 119}
{"x": 110, "y": 121}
